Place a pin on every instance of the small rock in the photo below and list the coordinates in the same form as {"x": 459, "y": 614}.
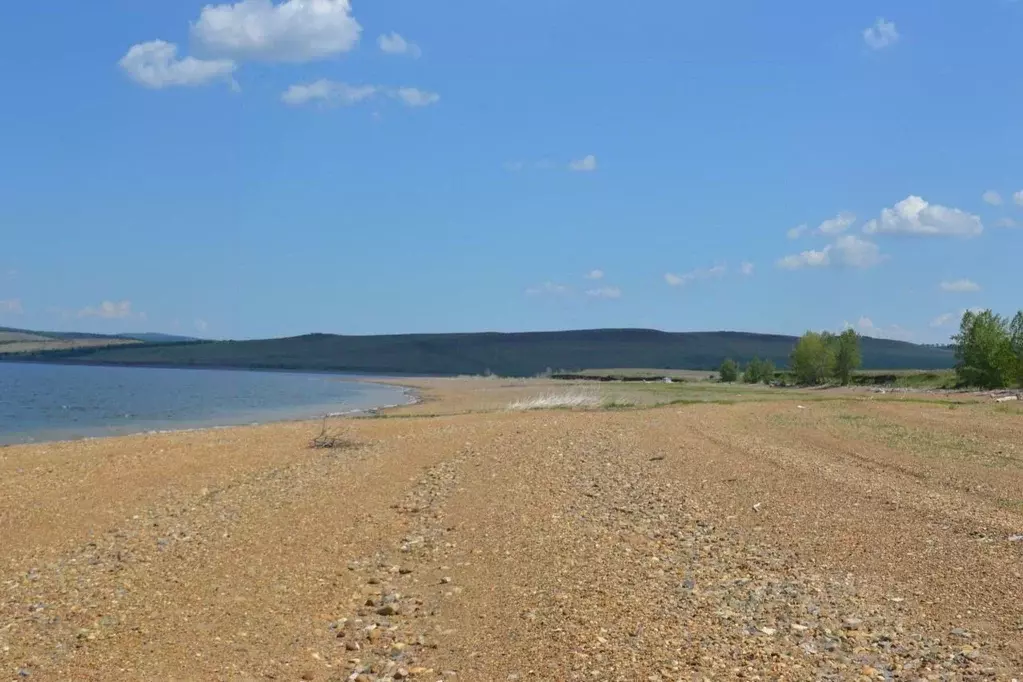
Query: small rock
{"x": 445, "y": 580}
{"x": 796, "y": 627}
{"x": 388, "y": 610}
{"x": 959, "y": 632}
{"x": 768, "y": 631}
{"x": 404, "y": 570}
{"x": 852, "y": 623}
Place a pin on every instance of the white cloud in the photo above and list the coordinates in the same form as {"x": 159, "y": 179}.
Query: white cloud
{"x": 328, "y": 91}
{"x": 1018, "y": 198}
{"x": 855, "y": 252}
{"x": 942, "y": 320}
{"x": 605, "y": 292}
{"x": 806, "y": 259}
{"x": 156, "y": 65}
{"x": 393, "y": 43}
{"x": 342, "y": 94}
{"x": 1006, "y": 222}
{"x": 548, "y": 288}
{"x": 848, "y": 251}
{"x": 746, "y": 268}
{"x": 414, "y": 97}
{"x": 796, "y": 232}
{"x": 11, "y": 306}
{"x": 960, "y": 286}
{"x": 586, "y": 164}
{"x": 840, "y": 223}
{"x": 201, "y": 325}
{"x": 514, "y": 166}
{"x": 867, "y": 327}
{"x": 992, "y": 197}
{"x": 701, "y": 273}
{"x": 881, "y": 35}
{"x": 295, "y": 30}
{"x": 595, "y": 274}
{"x": 110, "y": 310}
{"x": 914, "y": 216}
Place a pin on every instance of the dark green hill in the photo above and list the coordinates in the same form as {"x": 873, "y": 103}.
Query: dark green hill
{"x": 518, "y": 354}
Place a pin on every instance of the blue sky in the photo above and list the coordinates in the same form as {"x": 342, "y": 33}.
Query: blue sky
{"x": 254, "y": 168}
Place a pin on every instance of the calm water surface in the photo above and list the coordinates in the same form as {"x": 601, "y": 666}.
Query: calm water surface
{"x": 61, "y": 402}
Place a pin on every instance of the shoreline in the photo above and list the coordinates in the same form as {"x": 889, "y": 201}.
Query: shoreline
{"x": 409, "y": 392}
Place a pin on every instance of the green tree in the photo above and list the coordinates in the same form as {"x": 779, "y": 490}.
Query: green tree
{"x": 984, "y": 351}
{"x": 1016, "y": 341}
{"x": 846, "y": 355}
{"x": 729, "y": 371}
{"x": 812, "y": 359}
{"x": 767, "y": 371}
{"x": 754, "y": 373}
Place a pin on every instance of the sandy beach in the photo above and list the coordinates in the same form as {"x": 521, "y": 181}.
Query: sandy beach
{"x": 741, "y": 535}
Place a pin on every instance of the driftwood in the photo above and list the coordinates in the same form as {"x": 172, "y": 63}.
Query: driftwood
{"x": 331, "y": 438}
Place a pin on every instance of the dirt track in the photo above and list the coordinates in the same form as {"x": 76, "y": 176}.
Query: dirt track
{"x": 837, "y": 540}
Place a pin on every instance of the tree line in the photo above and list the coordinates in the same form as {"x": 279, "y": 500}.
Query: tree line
{"x": 988, "y": 351}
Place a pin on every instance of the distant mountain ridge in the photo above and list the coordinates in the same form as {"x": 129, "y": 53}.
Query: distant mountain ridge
{"x": 510, "y": 354}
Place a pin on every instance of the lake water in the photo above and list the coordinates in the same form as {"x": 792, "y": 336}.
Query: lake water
{"x": 62, "y": 402}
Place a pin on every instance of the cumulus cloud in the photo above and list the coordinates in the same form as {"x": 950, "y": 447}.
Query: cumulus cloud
{"x": 914, "y": 216}
{"x": 392, "y": 43}
{"x": 110, "y": 310}
{"x": 594, "y": 274}
{"x": 587, "y": 164}
{"x": 605, "y": 292}
{"x": 698, "y": 274}
{"x": 156, "y": 65}
{"x": 992, "y": 197}
{"x": 881, "y": 35}
{"x": 549, "y": 289}
{"x": 746, "y": 268}
{"x": 960, "y": 286}
{"x": 330, "y": 92}
{"x": 414, "y": 97}
{"x": 840, "y": 223}
{"x": 294, "y": 31}
{"x": 847, "y": 251}
{"x": 796, "y": 232}
{"x": 11, "y": 306}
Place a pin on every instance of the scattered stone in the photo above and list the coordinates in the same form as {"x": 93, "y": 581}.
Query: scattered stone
{"x": 388, "y": 610}
{"x": 852, "y": 623}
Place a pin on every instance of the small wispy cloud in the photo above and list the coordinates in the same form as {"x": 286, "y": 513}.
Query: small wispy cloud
{"x": 201, "y": 325}
{"x": 881, "y": 35}
{"x": 960, "y": 286}
{"x": 840, "y": 223}
{"x": 156, "y": 65}
{"x": 11, "y": 306}
{"x": 548, "y": 289}
{"x": 699, "y": 274}
{"x": 867, "y": 327}
{"x": 328, "y": 92}
{"x": 109, "y": 310}
{"x": 942, "y": 320}
{"x": 594, "y": 274}
{"x": 992, "y": 197}
{"x": 746, "y": 268}
{"x": 587, "y": 164}
{"x": 1018, "y": 198}
{"x": 796, "y": 232}
{"x": 605, "y": 292}
{"x": 1006, "y": 222}
{"x": 393, "y": 43}
{"x": 847, "y": 251}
